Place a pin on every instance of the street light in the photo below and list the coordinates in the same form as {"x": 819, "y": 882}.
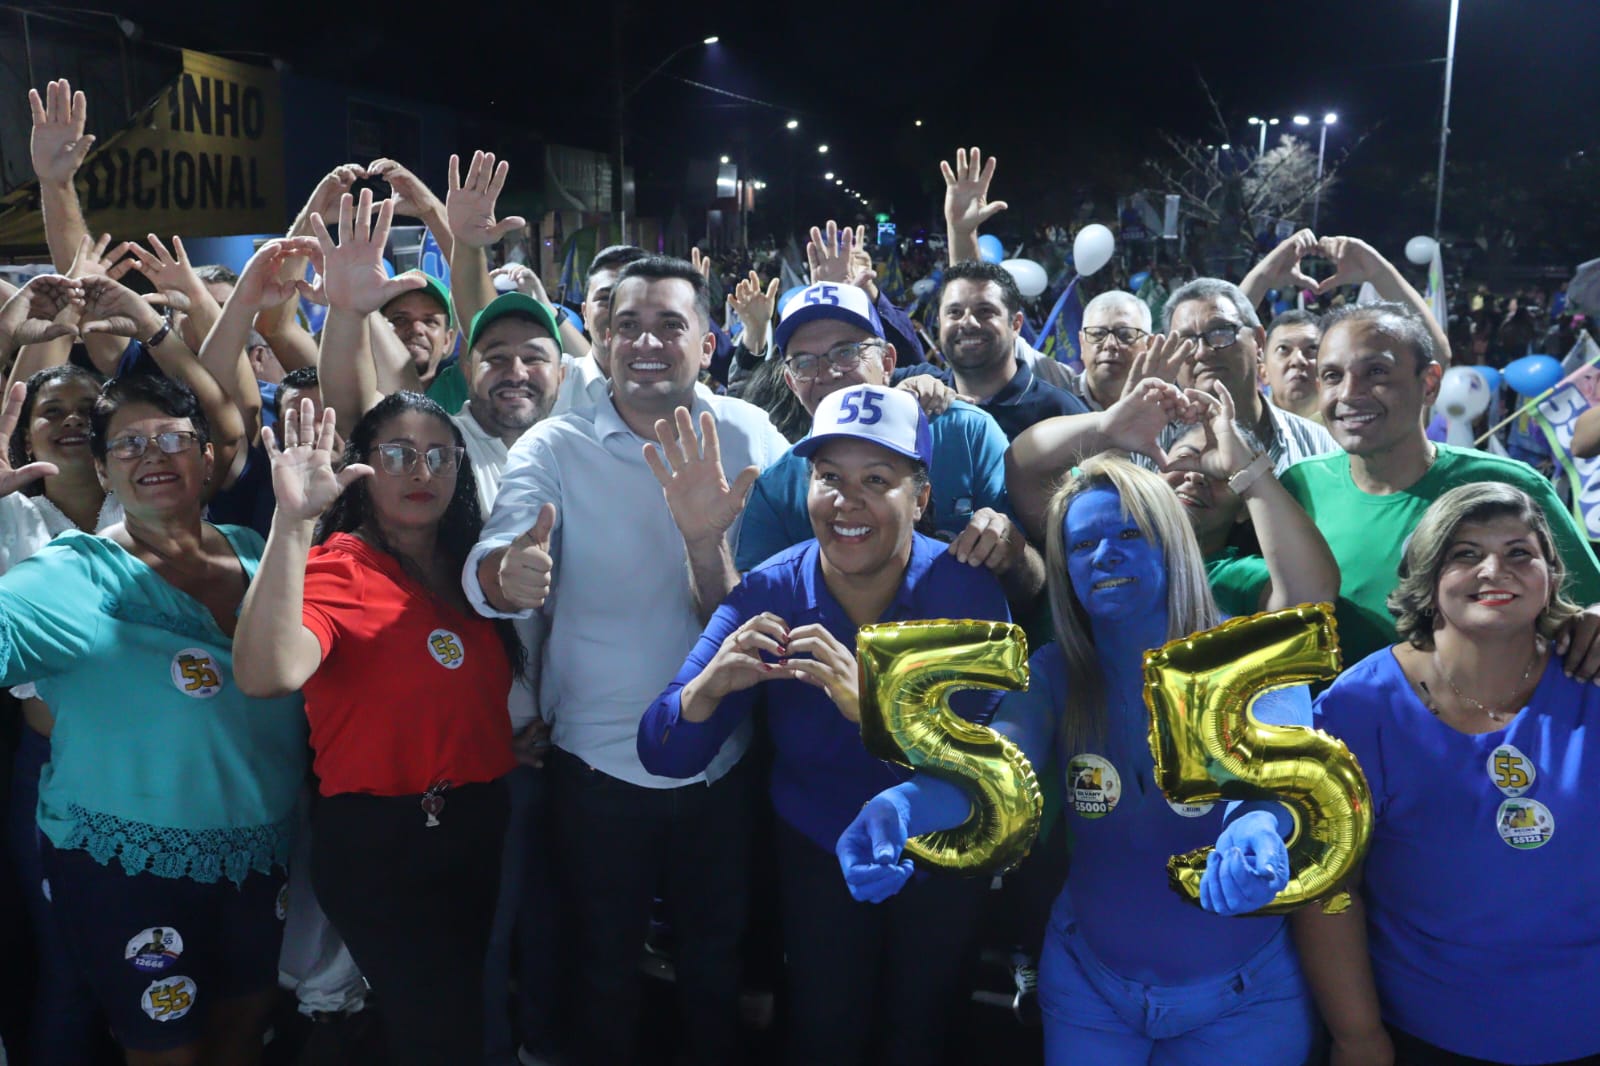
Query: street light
{"x": 1302, "y": 120}
{"x": 822, "y": 149}
{"x": 1261, "y": 147}
{"x": 724, "y": 160}
{"x": 713, "y": 39}
{"x": 828, "y": 176}
{"x": 792, "y": 124}
{"x": 1444, "y": 118}
{"x": 918, "y": 122}
{"x": 1322, "y": 146}
{"x": 621, "y": 94}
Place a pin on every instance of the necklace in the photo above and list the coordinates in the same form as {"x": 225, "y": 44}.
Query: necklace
{"x": 1495, "y": 715}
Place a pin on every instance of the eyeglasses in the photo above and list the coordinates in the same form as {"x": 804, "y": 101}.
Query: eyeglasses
{"x": 173, "y": 442}
{"x": 1125, "y": 334}
{"x": 1217, "y": 337}
{"x": 399, "y": 459}
{"x": 841, "y": 358}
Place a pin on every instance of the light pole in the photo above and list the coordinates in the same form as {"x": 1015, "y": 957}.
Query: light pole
{"x": 620, "y": 96}
{"x": 1444, "y": 119}
{"x": 1261, "y": 146}
{"x": 1322, "y": 148}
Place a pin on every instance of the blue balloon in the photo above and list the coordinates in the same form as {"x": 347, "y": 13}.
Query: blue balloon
{"x": 1136, "y": 282}
{"x": 990, "y": 250}
{"x": 1490, "y": 375}
{"x": 1532, "y": 375}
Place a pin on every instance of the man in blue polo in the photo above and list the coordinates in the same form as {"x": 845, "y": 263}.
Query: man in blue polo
{"x": 831, "y": 338}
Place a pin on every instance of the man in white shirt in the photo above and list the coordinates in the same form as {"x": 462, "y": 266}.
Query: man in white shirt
{"x": 582, "y": 533}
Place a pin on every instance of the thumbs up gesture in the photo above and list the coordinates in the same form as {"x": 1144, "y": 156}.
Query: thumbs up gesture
{"x": 524, "y": 572}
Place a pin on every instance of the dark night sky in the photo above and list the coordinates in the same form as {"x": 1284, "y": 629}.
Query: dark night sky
{"x": 1065, "y": 97}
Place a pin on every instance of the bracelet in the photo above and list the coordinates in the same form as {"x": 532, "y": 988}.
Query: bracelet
{"x": 1240, "y": 481}
{"x": 159, "y": 335}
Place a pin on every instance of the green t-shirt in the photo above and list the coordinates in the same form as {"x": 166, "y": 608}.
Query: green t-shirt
{"x": 448, "y": 388}
{"x": 1237, "y": 579}
{"x": 1368, "y": 533}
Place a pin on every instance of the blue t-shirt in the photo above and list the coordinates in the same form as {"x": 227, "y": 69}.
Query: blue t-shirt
{"x": 821, "y": 774}
{"x": 1483, "y": 920}
{"x": 1124, "y": 831}
{"x": 1026, "y": 400}
{"x": 969, "y": 472}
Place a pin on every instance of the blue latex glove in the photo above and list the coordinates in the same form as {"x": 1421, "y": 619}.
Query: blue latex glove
{"x": 870, "y": 849}
{"x": 1249, "y": 866}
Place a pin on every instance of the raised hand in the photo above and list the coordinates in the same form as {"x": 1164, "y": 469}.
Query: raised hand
{"x": 830, "y": 254}
{"x": 260, "y": 286}
{"x": 170, "y": 272}
{"x": 59, "y": 145}
{"x": 412, "y": 197}
{"x": 92, "y": 260}
{"x": 701, "y": 262}
{"x": 1164, "y": 358}
{"x": 1248, "y": 867}
{"x": 1354, "y": 261}
{"x": 966, "y": 191}
{"x": 1281, "y": 266}
{"x": 1134, "y": 423}
{"x": 525, "y": 568}
{"x": 325, "y": 197}
{"x": 29, "y": 316}
{"x": 1225, "y": 452}
{"x": 352, "y": 271}
{"x": 13, "y": 479}
{"x": 702, "y": 503}
{"x": 303, "y": 477}
{"x": 738, "y": 664}
{"x": 754, "y": 305}
{"x": 469, "y": 204}
{"x": 871, "y": 847}
{"x": 862, "y": 272}
{"x": 111, "y": 307}
{"x": 831, "y": 667}
{"x": 523, "y": 279}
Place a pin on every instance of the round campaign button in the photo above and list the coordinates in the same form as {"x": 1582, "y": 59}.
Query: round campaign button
{"x": 1511, "y": 771}
{"x": 169, "y": 999}
{"x": 196, "y": 673}
{"x": 154, "y": 950}
{"x": 446, "y": 649}
{"x": 1191, "y": 810}
{"x": 1094, "y": 785}
{"x": 1525, "y": 824}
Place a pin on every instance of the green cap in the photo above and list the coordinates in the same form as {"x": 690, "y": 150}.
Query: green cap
{"x": 509, "y": 303}
{"x": 434, "y": 288}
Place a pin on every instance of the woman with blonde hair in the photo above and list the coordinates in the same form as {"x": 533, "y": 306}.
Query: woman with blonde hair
{"x": 1130, "y": 973}
{"x": 1484, "y": 779}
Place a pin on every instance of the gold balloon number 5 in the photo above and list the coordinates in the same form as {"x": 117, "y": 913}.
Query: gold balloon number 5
{"x": 1208, "y": 747}
{"x": 908, "y": 670}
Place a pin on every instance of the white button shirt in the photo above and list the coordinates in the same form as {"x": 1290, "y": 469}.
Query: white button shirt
{"x": 621, "y": 612}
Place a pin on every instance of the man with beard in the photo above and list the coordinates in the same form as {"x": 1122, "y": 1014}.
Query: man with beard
{"x": 1289, "y": 365}
{"x": 980, "y": 312}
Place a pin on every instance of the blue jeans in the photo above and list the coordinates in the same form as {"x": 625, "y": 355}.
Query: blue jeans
{"x": 66, "y": 1018}
{"x": 1260, "y": 1012}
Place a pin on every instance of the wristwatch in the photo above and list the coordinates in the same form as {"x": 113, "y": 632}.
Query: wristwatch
{"x": 1240, "y": 481}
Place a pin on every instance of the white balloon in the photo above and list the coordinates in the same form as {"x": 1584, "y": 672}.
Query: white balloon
{"x": 1029, "y": 276}
{"x": 1092, "y": 248}
{"x": 1420, "y": 250}
{"x": 1463, "y": 396}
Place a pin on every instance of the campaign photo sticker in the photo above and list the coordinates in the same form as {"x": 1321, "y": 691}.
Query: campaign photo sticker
{"x": 446, "y": 649}
{"x": 169, "y": 999}
{"x": 1094, "y": 785}
{"x": 1525, "y": 824}
{"x": 196, "y": 673}
{"x": 154, "y": 950}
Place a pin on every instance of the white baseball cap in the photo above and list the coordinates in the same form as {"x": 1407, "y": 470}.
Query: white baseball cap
{"x": 889, "y": 417}
{"x": 828, "y": 299}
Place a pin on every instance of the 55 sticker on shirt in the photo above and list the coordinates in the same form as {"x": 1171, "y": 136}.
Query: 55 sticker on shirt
{"x": 169, "y": 999}
{"x": 196, "y": 672}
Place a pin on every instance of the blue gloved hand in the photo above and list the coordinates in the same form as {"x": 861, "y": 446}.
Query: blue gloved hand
{"x": 1249, "y": 866}
{"x": 870, "y": 848}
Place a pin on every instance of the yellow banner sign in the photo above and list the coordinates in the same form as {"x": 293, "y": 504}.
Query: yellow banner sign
{"x": 205, "y": 159}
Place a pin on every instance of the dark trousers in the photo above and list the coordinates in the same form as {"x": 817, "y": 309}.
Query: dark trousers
{"x": 872, "y": 979}
{"x": 522, "y": 947}
{"x": 1414, "y": 1051}
{"x": 414, "y": 904}
{"x": 619, "y": 844}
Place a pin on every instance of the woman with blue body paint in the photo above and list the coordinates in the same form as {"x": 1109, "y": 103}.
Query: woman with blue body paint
{"x": 1130, "y": 972}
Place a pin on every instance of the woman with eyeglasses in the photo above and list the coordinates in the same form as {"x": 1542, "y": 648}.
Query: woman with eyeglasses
{"x": 405, "y": 688}
{"x": 166, "y": 809}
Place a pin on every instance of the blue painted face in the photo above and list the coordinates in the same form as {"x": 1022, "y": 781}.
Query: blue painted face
{"x": 1117, "y": 574}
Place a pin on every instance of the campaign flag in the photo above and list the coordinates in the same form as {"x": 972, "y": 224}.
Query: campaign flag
{"x": 570, "y": 285}
{"x": 1058, "y": 338}
{"x": 431, "y": 259}
{"x": 1437, "y": 303}
{"x": 891, "y": 279}
{"x": 1557, "y": 414}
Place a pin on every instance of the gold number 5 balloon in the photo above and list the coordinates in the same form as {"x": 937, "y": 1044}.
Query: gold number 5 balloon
{"x": 1208, "y": 747}
{"x": 908, "y": 670}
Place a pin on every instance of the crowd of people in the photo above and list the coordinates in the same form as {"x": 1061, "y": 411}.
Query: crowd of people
{"x": 439, "y": 666}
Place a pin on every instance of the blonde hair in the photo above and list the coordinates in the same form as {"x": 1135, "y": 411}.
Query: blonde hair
{"x": 1414, "y": 602}
{"x": 1155, "y": 509}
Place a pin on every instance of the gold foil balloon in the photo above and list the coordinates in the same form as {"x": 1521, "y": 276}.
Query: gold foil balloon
{"x": 1208, "y": 747}
{"x": 908, "y": 670}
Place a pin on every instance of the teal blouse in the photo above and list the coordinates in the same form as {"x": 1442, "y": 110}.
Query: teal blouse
{"x": 157, "y": 759}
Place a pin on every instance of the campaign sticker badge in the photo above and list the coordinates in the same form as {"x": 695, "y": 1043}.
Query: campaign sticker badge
{"x": 1094, "y": 785}
{"x": 195, "y": 672}
{"x": 154, "y": 950}
{"x": 1191, "y": 810}
{"x": 169, "y": 999}
{"x": 1511, "y": 771}
{"x": 446, "y": 649}
{"x": 1525, "y": 824}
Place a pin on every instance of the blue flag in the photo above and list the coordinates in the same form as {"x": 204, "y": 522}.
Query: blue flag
{"x": 431, "y": 259}
{"x": 892, "y": 280}
{"x": 570, "y": 286}
{"x": 1059, "y": 337}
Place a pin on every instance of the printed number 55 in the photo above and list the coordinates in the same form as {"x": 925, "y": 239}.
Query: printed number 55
{"x": 867, "y": 407}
